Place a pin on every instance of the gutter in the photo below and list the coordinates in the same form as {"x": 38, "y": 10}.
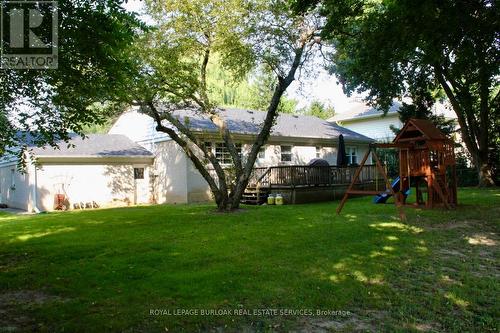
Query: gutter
{"x": 381, "y": 115}
{"x": 35, "y": 193}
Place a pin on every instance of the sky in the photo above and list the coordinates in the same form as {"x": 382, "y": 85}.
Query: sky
{"x": 322, "y": 86}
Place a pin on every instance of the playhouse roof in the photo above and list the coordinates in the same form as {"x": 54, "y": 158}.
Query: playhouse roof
{"x": 419, "y": 129}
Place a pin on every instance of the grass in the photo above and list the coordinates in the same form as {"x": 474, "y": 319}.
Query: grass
{"x": 105, "y": 270}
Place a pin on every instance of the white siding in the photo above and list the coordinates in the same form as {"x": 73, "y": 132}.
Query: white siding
{"x": 375, "y": 128}
{"x": 107, "y": 185}
{"x": 14, "y": 187}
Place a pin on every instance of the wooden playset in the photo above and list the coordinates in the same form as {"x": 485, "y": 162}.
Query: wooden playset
{"x": 426, "y": 161}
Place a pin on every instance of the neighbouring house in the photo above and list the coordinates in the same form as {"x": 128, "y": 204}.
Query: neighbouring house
{"x": 375, "y": 124}
{"x": 370, "y": 121}
{"x": 294, "y": 140}
{"x": 98, "y": 171}
{"x": 135, "y": 164}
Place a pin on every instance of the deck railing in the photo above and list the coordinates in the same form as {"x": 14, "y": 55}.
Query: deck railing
{"x": 300, "y": 175}
{"x": 303, "y": 175}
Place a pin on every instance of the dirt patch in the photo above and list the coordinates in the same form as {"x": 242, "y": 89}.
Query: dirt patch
{"x": 483, "y": 239}
{"x": 451, "y": 253}
{"x": 424, "y": 327}
{"x": 370, "y": 322}
{"x": 230, "y": 212}
{"x": 450, "y": 225}
{"x": 14, "y": 309}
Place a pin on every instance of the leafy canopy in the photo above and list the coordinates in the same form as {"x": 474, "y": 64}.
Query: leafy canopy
{"x": 94, "y": 37}
{"x": 405, "y": 48}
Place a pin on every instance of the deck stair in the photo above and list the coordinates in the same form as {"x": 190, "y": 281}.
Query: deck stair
{"x": 255, "y": 196}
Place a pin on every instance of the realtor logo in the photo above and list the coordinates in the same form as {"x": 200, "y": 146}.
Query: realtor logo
{"x": 29, "y": 34}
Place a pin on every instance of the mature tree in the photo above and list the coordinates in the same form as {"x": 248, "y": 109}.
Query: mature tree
{"x": 318, "y": 109}
{"x": 384, "y": 47}
{"x": 243, "y": 35}
{"x": 48, "y": 104}
{"x": 250, "y": 92}
{"x": 423, "y": 100}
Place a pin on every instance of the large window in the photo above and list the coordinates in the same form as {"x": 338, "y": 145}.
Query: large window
{"x": 286, "y": 153}
{"x": 223, "y": 155}
{"x": 352, "y": 155}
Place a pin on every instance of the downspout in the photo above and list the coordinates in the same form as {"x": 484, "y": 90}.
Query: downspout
{"x": 35, "y": 193}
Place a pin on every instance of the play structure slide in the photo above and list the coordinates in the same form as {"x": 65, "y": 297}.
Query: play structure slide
{"x": 382, "y": 197}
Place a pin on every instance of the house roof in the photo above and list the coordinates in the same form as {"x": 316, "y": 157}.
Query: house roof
{"x": 95, "y": 145}
{"x": 420, "y": 127}
{"x": 363, "y": 111}
{"x": 243, "y": 122}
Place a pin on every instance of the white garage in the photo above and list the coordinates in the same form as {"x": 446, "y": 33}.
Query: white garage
{"x": 102, "y": 170}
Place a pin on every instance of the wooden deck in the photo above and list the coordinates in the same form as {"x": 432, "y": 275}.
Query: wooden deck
{"x": 308, "y": 176}
{"x": 295, "y": 178}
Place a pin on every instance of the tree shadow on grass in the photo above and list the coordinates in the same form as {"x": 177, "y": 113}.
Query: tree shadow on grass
{"x": 389, "y": 275}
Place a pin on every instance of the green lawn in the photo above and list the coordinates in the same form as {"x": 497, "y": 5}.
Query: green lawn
{"x": 104, "y": 270}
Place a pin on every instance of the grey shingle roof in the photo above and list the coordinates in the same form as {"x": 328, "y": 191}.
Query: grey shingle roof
{"x": 96, "y": 145}
{"x": 250, "y": 122}
{"x": 360, "y": 110}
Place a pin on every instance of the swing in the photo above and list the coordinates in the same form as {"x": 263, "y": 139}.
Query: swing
{"x": 351, "y": 191}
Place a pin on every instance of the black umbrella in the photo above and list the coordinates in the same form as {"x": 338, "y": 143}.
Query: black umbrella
{"x": 341, "y": 154}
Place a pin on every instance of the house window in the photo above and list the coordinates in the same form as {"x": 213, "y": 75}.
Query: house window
{"x": 318, "y": 152}
{"x": 223, "y": 155}
{"x": 352, "y": 155}
{"x": 138, "y": 173}
{"x": 262, "y": 153}
{"x": 286, "y": 153}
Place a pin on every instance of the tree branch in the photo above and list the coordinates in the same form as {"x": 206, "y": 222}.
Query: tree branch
{"x": 185, "y": 146}
{"x": 193, "y": 138}
{"x": 466, "y": 131}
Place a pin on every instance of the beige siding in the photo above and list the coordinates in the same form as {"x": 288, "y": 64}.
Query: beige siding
{"x": 301, "y": 155}
{"x": 198, "y": 189}
{"x": 170, "y": 180}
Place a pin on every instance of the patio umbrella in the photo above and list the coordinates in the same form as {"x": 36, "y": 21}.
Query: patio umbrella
{"x": 341, "y": 154}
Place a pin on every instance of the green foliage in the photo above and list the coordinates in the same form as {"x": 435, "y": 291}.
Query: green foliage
{"x": 197, "y": 55}
{"x": 390, "y": 159}
{"x": 318, "y": 109}
{"x": 423, "y": 100}
{"x": 391, "y": 49}
{"x": 103, "y": 270}
{"x": 251, "y": 92}
{"x": 93, "y": 40}
{"x": 194, "y": 45}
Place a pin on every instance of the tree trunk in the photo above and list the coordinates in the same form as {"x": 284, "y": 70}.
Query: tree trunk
{"x": 485, "y": 171}
{"x": 272, "y": 112}
{"x": 223, "y": 202}
{"x": 474, "y": 133}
